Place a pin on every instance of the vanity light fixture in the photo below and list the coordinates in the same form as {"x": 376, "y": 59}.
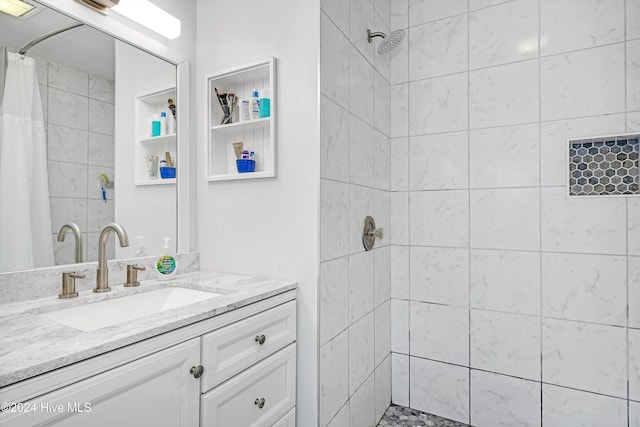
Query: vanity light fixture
{"x": 101, "y": 6}
{"x": 15, "y": 8}
{"x": 151, "y": 16}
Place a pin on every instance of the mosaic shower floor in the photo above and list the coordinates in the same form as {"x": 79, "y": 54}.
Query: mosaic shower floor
{"x": 399, "y": 416}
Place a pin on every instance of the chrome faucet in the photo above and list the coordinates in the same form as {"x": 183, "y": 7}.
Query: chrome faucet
{"x": 73, "y": 227}
{"x": 102, "y": 276}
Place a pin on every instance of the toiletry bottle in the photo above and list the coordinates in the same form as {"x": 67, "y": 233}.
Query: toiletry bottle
{"x": 171, "y": 125}
{"x": 163, "y": 123}
{"x": 166, "y": 265}
{"x": 140, "y": 249}
{"x": 244, "y": 113}
{"x": 265, "y": 104}
{"x": 254, "y": 105}
{"x": 155, "y": 125}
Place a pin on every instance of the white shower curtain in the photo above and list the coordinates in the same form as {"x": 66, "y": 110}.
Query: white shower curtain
{"x": 25, "y": 217}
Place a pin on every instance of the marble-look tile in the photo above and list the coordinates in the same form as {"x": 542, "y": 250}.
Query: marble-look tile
{"x": 399, "y": 58}
{"x": 634, "y": 411}
{"x": 562, "y": 407}
{"x": 382, "y": 387}
{"x": 505, "y": 219}
{"x": 342, "y": 417}
{"x": 399, "y": 218}
{"x": 399, "y": 14}
{"x": 505, "y": 157}
{"x": 589, "y": 288}
{"x": 439, "y": 218}
{"x": 361, "y": 204}
{"x": 633, "y": 122}
{"x": 334, "y": 298}
{"x": 361, "y": 87}
{"x": 334, "y": 141}
{"x": 421, "y": 11}
{"x": 399, "y": 110}
{"x": 506, "y": 343}
{"x": 338, "y": 12}
{"x": 68, "y": 109}
{"x": 362, "y": 405}
{"x": 334, "y": 374}
{"x": 382, "y": 119}
{"x": 361, "y": 352}
{"x": 585, "y": 356}
{"x": 42, "y": 70}
{"x": 498, "y": 400}
{"x": 65, "y": 210}
{"x": 481, "y": 4}
{"x": 553, "y": 141}
{"x": 92, "y": 254}
{"x": 439, "y": 162}
{"x": 382, "y": 332}
{"x": 64, "y": 253}
{"x": 335, "y": 52}
{"x": 504, "y": 33}
{"x": 449, "y": 342}
{"x": 633, "y": 25}
{"x": 633, "y": 75}
{"x": 102, "y": 89}
{"x": 101, "y": 117}
{"x": 399, "y": 164}
{"x": 438, "y": 105}
{"x": 400, "y": 326}
{"x": 505, "y": 281}
{"x": 438, "y": 48}
{"x": 382, "y": 215}
{"x": 634, "y": 292}
{"x": 634, "y": 364}
{"x": 94, "y": 181}
{"x": 334, "y": 219}
{"x": 566, "y": 25}
{"x": 382, "y": 63}
{"x": 361, "y": 18}
{"x": 44, "y": 98}
{"x": 584, "y": 83}
{"x": 439, "y": 275}
{"x": 440, "y": 389}
{"x": 361, "y": 298}
{"x": 400, "y": 272}
{"x": 383, "y": 8}
{"x": 65, "y": 144}
{"x": 504, "y": 95}
{"x": 400, "y": 379}
{"x": 583, "y": 225}
{"x": 68, "y": 79}
{"x": 382, "y": 160}
{"x": 101, "y": 150}
{"x": 67, "y": 180}
{"x": 382, "y": 271}
{"x": 99, "y": 214}
{"x": 361, "y": 153}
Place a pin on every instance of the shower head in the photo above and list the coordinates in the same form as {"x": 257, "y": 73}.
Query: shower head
{"x": 389, "y": 42}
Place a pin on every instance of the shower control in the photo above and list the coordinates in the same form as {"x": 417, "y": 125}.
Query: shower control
{"x": 370, "y": 233}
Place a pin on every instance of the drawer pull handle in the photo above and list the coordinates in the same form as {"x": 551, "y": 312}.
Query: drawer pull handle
{"x": 197, "y": 371}
{"x": 260, "y": 339}
{"x": 259, "y": 402}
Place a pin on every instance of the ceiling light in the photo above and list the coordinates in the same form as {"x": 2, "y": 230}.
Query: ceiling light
{"x": 151, "y": 16}
{"x": 15, "y": 8}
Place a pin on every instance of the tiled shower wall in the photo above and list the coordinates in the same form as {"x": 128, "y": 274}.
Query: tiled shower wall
{"x": 355, "y": 348}
{"x": 79, "y": 111}
{"x": 509, "y": 302}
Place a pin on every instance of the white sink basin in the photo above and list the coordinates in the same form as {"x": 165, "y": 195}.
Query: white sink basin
{"x": 91, "y": 317}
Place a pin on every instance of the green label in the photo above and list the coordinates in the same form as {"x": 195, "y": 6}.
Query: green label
{"x": 166, "y": 264}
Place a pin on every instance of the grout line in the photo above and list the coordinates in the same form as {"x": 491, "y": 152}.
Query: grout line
{"x": 540, "y": 211}
{"x": 469, "y": 202}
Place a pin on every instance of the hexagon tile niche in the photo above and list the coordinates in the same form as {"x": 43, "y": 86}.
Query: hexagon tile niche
{"x": 604, "y": 166}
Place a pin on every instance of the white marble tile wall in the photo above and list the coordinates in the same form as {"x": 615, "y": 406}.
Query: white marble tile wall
{"x": 512, "y": 305}
{"x": 79, "y": 110}
{"x": 355, "y": 180}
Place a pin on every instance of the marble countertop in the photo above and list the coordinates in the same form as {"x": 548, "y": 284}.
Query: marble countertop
{"x": 30, "y": 345}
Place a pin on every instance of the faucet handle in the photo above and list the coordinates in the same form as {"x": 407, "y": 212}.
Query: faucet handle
{"x": 132, "y": 275}
{"x": 69, "y": 284}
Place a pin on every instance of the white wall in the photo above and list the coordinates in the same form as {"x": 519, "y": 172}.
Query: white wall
{"x": 268, "y": 226}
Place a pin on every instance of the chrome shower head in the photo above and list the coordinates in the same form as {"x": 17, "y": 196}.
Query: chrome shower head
{"x": 389, "y": 42}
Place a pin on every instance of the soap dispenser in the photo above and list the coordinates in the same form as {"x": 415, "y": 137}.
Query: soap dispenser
{"x": 166, "y": 266}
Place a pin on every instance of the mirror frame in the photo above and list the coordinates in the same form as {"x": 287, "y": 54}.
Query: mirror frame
{"x": 186, "y": 208}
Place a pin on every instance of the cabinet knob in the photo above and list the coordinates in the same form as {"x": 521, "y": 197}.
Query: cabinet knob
{"x": 197, "y": 371}
{"x": 260, "y": 339}
{"x": 259, "y": 402}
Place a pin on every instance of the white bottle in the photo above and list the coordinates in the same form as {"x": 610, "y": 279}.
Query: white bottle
{"x": 254, "y": 105}
{"x": 166, "y": 266}
{"x": 140, "y": 251}
{"x": 171, "y": 125}
{"x": 163, "y": 123}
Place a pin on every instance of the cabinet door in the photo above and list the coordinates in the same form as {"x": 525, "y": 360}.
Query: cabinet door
{"x": 156, "y": 390}
{"x": 288, "y": 420}
{"x": 257, "y": 397}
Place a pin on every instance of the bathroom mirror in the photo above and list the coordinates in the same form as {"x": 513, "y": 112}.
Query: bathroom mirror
{"x": 99, "y": 97}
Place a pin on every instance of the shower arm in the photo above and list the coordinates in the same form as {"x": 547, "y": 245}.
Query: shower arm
{"x": 371, "y": 35}
{"x": 24, "y": 50}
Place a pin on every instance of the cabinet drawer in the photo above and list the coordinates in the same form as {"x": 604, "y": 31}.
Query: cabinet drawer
{"x": 231, "y": 349}
{"x": 237, "y": 402}
{"x": 288, "y": 420}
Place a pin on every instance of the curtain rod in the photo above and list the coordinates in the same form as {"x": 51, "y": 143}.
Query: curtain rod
{"x": 24, "y": 50}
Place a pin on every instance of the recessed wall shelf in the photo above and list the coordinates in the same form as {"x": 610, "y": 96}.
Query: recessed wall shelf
{"x": 256, "y": 135}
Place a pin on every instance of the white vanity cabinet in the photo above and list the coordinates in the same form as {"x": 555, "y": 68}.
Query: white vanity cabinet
{"x": 248, "y": 357}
